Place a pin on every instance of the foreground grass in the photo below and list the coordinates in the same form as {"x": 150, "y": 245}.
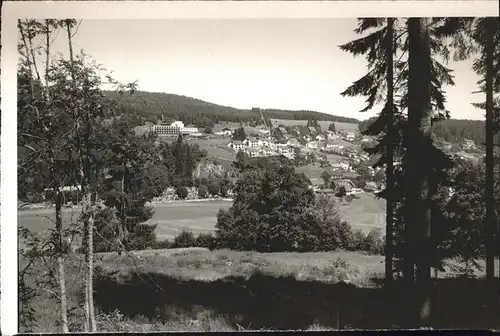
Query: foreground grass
{"x": 195, "y": 264}
{"x": 204, "y": 265}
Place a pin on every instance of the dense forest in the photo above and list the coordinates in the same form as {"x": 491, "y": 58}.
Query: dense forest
{"x": 451, "y": 130}
{"x": 151, "y": 106}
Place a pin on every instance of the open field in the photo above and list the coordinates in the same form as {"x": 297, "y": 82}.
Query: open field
{"x": 287, "y": 122}
{"x": 171, "y": 218}
{"x": 365, "y": 213}
{"x": 198, "y": 217}
{"x": 217, "y": 149}
{"x": 311, "y": 170}
{"x": 347, "y": 127}
{"x": 334, "y": 158}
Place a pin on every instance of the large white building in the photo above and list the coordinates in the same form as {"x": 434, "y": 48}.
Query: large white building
{"x": 174, "y": 128}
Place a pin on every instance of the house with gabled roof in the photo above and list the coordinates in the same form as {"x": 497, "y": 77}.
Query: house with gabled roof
{"x": 236, "y": 145}
{"x": 282, "y": 130}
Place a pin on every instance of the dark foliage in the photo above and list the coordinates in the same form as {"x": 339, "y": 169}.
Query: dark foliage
{"x": 184, "y": 239}
{"x": 181, "y": 192}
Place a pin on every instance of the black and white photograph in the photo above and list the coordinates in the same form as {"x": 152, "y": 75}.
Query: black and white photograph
{"x": 257, "y": 174}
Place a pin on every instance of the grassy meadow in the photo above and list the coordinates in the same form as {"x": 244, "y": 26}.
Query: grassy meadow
{"x": 364, "y": 213}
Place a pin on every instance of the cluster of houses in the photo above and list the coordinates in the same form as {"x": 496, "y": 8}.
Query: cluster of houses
{"x": 339, "y": 181}
{"x": 259, "y": 148}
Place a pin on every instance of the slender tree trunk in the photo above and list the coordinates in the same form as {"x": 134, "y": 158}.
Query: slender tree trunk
{"x": 32, "y": 51}
{"x": 28, "y": 57}
{"x": 489, "y": 195}
{"x": 87, "y": 291}
{"x": 419, "y": 120}
{"x": 90, "y": 237}
{"x": 59, "y": 201}
{"x": 389, "y": 219}
{"x": 70, "y": 43}
{"x": 47, "y": 58}
{"x": 90, "y": 324}
{"x": 60, "y": 263}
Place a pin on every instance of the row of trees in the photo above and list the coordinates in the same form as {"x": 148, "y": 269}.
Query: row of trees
{"x": 405, "y": 72}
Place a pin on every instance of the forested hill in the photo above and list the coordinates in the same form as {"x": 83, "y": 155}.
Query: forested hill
{"x": 451, "y": 130}
{"x": 455, "y": 130}
{"x": 151, "y": 105}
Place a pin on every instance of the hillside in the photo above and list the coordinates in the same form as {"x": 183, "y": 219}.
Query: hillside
{"x": 451, "y": 130}
{"x": 151, "y": 105}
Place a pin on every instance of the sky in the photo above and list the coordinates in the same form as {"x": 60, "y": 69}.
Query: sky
{"x": 269, "y": 63}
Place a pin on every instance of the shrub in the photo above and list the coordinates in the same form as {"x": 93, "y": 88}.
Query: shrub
{"x": 143, "y": 237}
{"x": 213, "y": 188}
{"x": 224, "y": 190}
{"x": 184, "y": 239}
{"x": 357, "y": 239}
{"x": 197, "y": 182}
{"x": 163, "y": 244}
{"x": 374, "y": 242}
{"x": 181, "y": 192}
{"x": 342, "y": 192}
{"x": 206, "y": 240}
{"x": 203, "y": 191}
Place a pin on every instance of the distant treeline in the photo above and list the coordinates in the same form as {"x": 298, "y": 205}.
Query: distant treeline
{"x": 451, "y": 130}
{"x": 152, "y": 105}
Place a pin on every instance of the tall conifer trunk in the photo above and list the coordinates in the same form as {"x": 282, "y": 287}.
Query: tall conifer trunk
{"x": 419, "y": 131}
{"x": 390, "y": 155}
{"x": 489, "y": 195}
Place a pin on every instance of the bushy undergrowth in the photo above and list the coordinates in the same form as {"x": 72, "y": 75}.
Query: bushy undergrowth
{"x": 340, "y": 237}
{"x": 117, "y": 322}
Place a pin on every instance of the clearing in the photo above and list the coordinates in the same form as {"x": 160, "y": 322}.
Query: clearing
{"x": 346, "y": 127}
{"x": 172, "y": 218}
{"x": 217, "y": 149}
{"x": 365, "y": 213}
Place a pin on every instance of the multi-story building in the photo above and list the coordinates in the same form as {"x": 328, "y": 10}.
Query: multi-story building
{"x": 165, "y": 129}
{"x": 253, "y": 143}
{"x": 253, "y": 152}
{"x": 189, "y": 130}
{"x": 236, "y": 145}
{"x": 174, "y": 128}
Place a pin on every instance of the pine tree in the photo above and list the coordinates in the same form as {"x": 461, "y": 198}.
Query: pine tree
{"x": 480, "y": 38}
{"x": 376, "y": 87}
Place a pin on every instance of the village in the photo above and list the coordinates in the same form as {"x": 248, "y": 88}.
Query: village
{"x": 340, "y": 151}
